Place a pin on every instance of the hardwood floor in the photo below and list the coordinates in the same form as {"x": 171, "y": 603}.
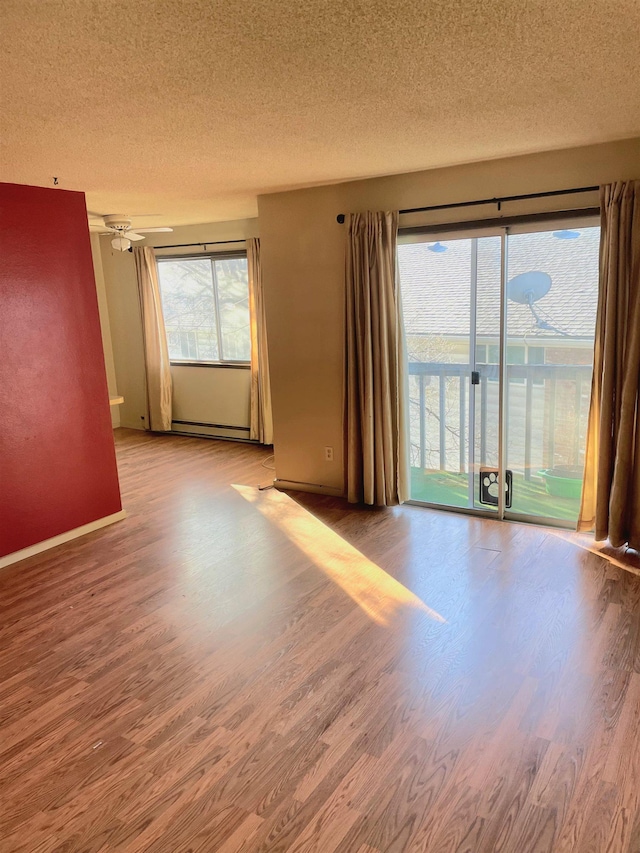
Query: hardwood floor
{"x": 231, "y": 670}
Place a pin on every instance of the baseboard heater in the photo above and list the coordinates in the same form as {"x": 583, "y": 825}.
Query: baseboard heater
{"x": 200, "y": 429}
{"x": 212, "y": 426}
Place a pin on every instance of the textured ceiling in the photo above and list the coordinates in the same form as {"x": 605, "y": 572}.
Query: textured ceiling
{"x": 190, "y": 108}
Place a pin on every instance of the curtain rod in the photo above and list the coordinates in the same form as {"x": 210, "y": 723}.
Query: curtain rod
{"x": 499, "y": 201}
{"x": 497, "y": 222}
{"x": 204, "y": 245}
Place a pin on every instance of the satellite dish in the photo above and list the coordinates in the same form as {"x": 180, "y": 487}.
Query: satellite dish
{"x": 437, "y": 247}
{"x": 528, "y": 287}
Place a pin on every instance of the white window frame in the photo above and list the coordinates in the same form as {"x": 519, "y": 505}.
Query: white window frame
{"x": 212, "y": 257}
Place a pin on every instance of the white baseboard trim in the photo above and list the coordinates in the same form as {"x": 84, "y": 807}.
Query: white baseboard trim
{"x": 313, "y": 488}
{"x": 61, "y": 538}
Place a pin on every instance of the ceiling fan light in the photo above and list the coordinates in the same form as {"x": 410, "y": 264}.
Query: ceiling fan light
{"x": 121, "y": 243}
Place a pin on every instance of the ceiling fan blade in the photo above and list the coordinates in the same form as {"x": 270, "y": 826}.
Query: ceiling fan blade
{"x": 152, "y": 230}
{"x": 131, "y": 235}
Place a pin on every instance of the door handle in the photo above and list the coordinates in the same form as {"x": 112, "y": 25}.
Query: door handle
{"x": 475, "y": 377}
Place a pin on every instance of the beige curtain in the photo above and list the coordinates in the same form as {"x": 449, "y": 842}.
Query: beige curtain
{"x": 376, "y": 385}
{"x": 261, "y": 417}
{"x": 156, "y": 354}
{"x": 611, "y": 493}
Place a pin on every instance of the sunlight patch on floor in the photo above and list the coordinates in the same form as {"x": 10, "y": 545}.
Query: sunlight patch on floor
{"x": 381, "y": 596}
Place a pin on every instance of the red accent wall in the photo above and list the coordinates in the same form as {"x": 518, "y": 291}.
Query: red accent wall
{"x": 57, "y": 460}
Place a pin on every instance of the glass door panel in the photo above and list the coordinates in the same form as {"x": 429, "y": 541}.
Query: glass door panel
{"x": 451, "y": 304}
{"x": 552, "y": 294}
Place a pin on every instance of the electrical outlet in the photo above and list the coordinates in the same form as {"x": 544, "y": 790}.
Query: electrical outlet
{"x": 328, "y": 454}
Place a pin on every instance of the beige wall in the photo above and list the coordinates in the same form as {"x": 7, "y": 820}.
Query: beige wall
{"x": 126, "y": 329}
{"x": 303, "y": 257}
{"x": 126, "y": 332}
{"x": 105, "y": 326}
{"x": 212, "y": 395}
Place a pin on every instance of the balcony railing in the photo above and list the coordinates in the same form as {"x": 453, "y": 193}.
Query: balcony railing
{"x": 547, "y": 408}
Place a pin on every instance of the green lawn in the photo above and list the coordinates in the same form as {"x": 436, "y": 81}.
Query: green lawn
{"x": 529, "y": 496}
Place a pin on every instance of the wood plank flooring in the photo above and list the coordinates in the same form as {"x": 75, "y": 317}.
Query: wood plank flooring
{"x": 234, "y": 671}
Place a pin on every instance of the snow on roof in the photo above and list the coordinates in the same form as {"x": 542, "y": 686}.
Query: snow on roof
{"x": 436, "y": 285}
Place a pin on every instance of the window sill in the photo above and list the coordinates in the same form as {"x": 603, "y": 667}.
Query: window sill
{"x": 238, "y": 365}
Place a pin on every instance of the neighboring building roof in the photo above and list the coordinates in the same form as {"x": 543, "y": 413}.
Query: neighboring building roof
{"x": 436, "y": 285}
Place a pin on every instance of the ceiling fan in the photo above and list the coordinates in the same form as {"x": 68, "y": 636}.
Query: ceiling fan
{"x": 120, "y": 226}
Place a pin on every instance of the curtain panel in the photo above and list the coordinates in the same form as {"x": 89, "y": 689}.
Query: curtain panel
{"x": 376, "y": 387}
{"x": 261, "y": 416}
{"x": 611, "y": 493}
{"x": 156, "y": 354}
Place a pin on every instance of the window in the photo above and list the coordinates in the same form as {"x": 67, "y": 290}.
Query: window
{"x": 536, "y": 355}
{"x": 205, "y": 301}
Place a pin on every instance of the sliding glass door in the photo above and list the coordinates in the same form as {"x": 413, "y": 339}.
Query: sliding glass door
{"x": 499, "y": 330}
{"x": 550, "y": 308}
{"x": 451, "y": 304}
